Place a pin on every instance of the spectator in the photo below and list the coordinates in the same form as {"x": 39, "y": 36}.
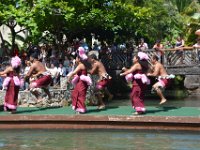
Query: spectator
{"x": 71, "y": 67}
{"x": 142, "y": 45}
{"x": 84, "y": 44}
{"x": 179, "y": 46}
{"x": 197, "y": 47}
{"x": 26, "y": 69}
{"x": 54, "y": 60}
{"x": 66, "y": 62}
{"x": 54, "y": 73}
{"x": 43, "y": 54}
{"x": 159, "y": 52}
{"x": 168, "y": 45}
{"x": 62, "y": 70}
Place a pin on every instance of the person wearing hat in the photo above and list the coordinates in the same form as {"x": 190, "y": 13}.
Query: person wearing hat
{"x": 42, "y": 78}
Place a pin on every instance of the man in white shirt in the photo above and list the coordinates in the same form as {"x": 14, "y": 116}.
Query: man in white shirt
{"x": 54, "y": 73}
{"x": 62, "y": 70}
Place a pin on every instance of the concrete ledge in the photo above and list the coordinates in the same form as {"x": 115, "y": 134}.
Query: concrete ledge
{"x": 99, "y": 122}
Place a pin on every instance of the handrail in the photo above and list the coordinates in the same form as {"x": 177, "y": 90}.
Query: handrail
{"x": 179, "y": 48}
{"x": 173, "y": 49}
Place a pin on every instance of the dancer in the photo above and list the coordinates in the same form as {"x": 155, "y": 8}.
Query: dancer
{"x": 12, "y": 83}
{"x": 80, "y": 81}
{"x": 104, "y": 79}
{"x": 139, "y": 81}
{"x": 42, "y": 78}
{"x": 163, "y": 78}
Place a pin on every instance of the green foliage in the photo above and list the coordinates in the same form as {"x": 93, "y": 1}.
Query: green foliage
{"x": 181, "y": 5}
{"x": 118, "y": 20}
{"x": 188, "y": 12}
{"x": 178, "y": 82}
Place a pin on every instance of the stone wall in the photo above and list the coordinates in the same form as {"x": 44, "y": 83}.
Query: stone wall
{"x": 192, "y": 82}
{"x": 60, "y": 97}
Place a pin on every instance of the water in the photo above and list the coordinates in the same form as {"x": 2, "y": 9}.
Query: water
{"x": 98, "y": 140}
{"x": 106, "y": 139}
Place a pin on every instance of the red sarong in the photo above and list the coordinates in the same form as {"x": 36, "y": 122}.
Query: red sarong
{"x": 79, "y": 95}
{"x": 102, "y": 83}
{"x": 42, "y": 81}
{"x": 11, "y": 97}
{"x": 164, "y": 82}
{"x": 137, "y": 95}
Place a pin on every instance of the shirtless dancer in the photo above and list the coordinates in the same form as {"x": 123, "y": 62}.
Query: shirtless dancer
{"x": 99, "y": 69}
{"x": 42, "y": 77}
{"x": 163, "y": 78}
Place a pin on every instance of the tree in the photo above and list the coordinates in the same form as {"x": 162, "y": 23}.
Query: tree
{"x": 110, "y": 19}
{"x": 35, "y": 16}
{"x": 189, "y": 14}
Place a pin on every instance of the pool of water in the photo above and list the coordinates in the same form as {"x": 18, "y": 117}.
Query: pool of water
{"x": 98, "y": 140}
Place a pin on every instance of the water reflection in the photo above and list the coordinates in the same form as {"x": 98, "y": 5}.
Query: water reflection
{"x": 98, "y": 140}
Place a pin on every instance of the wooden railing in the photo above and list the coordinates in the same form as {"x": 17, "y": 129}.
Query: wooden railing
{"x": 185, "y": 56}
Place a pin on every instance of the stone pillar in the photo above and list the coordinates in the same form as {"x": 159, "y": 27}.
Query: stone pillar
{"x": 192, "y": 82}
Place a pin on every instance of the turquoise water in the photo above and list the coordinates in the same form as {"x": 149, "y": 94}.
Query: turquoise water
{"x": 98, "y": 140}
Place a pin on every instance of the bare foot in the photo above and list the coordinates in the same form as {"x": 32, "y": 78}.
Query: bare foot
{"x": 101, "y": 107}
{"x": 79, "y": 113}
{"x": 138, "y": 113}
{"x": 162, "y": 101}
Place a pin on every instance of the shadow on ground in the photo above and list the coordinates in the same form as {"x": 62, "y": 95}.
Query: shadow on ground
{"x": 34, "y": 109}
{"x": 162, "y": 109}
{"x": 101, "y": 110}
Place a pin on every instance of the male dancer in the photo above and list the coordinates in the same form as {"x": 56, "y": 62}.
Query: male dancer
{"x": 163, "y": 78}
{"x": 42, "y": 78}
{"x": 99, "y": 69}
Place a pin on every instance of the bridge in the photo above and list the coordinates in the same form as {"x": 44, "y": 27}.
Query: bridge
{"x": 185, "y": 61}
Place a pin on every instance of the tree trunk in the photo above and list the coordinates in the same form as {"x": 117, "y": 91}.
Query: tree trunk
{"x": 13, "y": 33}
{"x": 2, "y": 39}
